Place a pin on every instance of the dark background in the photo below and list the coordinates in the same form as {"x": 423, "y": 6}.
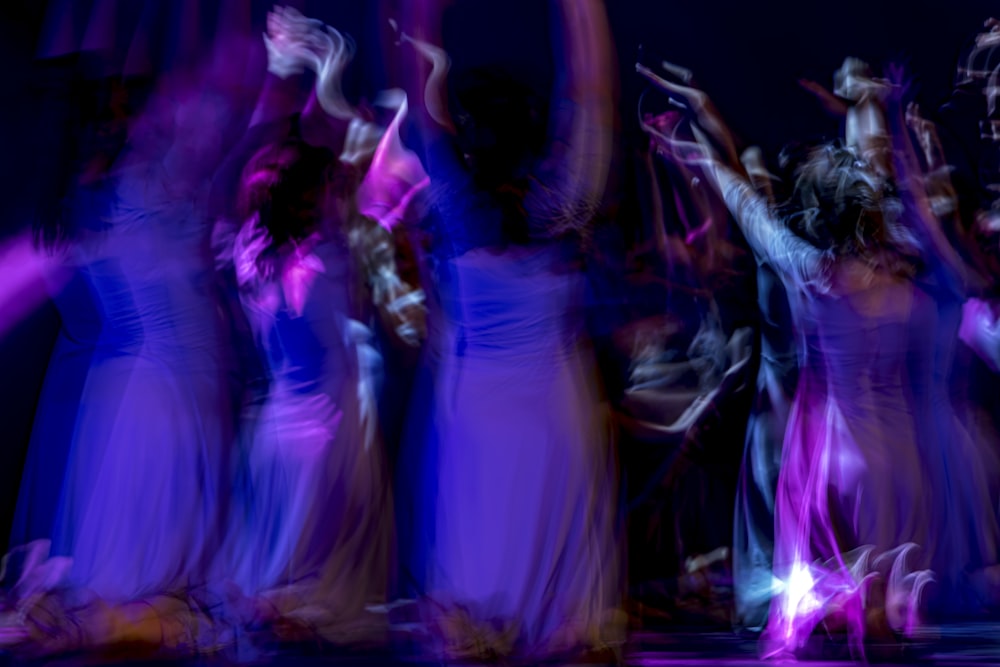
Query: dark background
{"x": 748, "y": 56}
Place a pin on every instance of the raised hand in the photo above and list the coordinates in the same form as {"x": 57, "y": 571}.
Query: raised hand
{"x": 854, "y": 82}
{"x": 287, "y": 42}
{"x": 664, "y": 131}
{"x": 698, "y": 102}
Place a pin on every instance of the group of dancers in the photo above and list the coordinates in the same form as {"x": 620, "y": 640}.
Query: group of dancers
{"x": 225, "y": 454}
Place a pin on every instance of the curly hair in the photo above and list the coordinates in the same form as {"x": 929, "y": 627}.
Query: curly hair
{"x": 280, "y": 186}
{"x": 840, "y": 208}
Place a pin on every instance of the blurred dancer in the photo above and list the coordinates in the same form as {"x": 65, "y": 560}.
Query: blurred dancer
{"x": 309, "y": 545}
{"x": 524, "y": 558}
{"x": 139, "y": 511}
{"x": 74, "y": 213}
{"x": 311, "y": 536}
{"x": 866, "y": 409}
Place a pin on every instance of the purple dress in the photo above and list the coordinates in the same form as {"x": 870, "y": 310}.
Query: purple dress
{"x": 524, "y": 553}
{"x": 140, "y": 510}
{"x": 312, "y": 524}
{"x": 524, "y": 557}
{"x": 871, "y": 452}
{"x": 75, "y": 352}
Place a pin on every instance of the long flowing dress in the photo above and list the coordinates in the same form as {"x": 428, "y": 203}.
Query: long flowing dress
{"x": 524, "y": 557}
{"x": 311, "y": 532}
{"x": 964, "y": 469}
{"x": 858, "y": 514}
{"x": 140, "y": 509}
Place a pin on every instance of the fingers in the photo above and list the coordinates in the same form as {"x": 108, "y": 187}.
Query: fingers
{"x": 295, "y": 42}
{"x": 681, "y": 73}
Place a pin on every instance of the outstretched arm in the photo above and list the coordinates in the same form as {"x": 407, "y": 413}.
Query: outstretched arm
{"x": 33, "y": 275}
{"x": 799, "y": 262}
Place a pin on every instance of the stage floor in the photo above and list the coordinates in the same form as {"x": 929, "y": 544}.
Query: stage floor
{"x": 967, "y": 645}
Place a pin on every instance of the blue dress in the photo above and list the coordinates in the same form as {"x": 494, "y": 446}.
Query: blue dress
{"x": 524, "y": 556}
{"x": 140, "y": 511}
{"x": 312, "y": 522}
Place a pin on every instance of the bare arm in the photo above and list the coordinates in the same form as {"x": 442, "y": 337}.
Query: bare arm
{"x": 866, "y": 128}
{"x": 937, "y": 177}
{"x": 32, "y": 274}
{"x": 800, "y": 263}
{"x": 571, "y": 183}
{"x": 700, "y": 105}
{"x": 280, "y": 95}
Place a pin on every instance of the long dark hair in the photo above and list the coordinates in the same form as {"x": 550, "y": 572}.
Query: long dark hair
{"x": 502, "y": 127}
{"x": 281, "y": 192}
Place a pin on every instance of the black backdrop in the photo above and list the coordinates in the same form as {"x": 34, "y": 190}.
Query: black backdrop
{"x": 747, "y": 55}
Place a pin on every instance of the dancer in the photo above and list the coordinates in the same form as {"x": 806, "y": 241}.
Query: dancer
{"x": 524, "y": 555}
{"x": 139, "y": 517}
{"x": 309, "y": 546}
{"x": 843, "y": 533}
{"x": 310, "y": 543}
{"x": 71, "y": 220}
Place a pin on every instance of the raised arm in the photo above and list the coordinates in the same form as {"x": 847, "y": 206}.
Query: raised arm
{"x": 799, "y": 262}
{"x": 937, "y": 175}
{"x": 700, "y": 106}
{"x": 913, "y": 192}
{"x": 570, "y": 185}
{"x": 426, "y": 65}
{"x": 287, "y": 59}
{"x": 34, "y": 274}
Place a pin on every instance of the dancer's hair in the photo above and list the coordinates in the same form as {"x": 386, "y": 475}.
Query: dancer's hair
{"x": 841, "y": 208}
